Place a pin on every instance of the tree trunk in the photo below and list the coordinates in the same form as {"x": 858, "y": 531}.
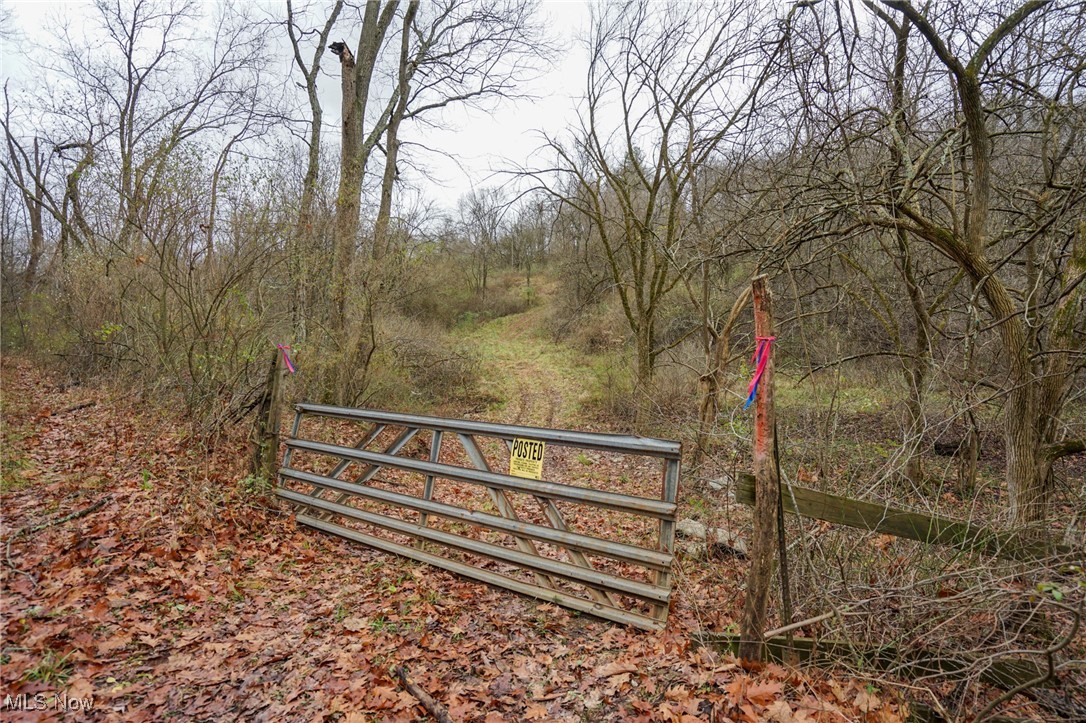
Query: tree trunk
{"x": 645, "y": 359}
{"x": 392, "y": 139}
{"x": 968, "y": 455}
{"x": 216, "y": 175}
{"x": 302, "y": 237}
{"x": 74, "y": 229}
{"x": 712, "y": 382}
{"x": 355, "y": 81}
{"x": 301, "y": 241}
{"x": 34, "y": 210}
{"x": 1026, "y": 486}
{"x": 916, "y": 369}
{"x": 348, "y": 200}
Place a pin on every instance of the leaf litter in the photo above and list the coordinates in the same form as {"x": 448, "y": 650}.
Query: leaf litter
{"x": 186, "y": 595}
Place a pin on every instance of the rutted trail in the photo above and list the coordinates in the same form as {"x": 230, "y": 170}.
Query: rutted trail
{"x": 541, "y": 382}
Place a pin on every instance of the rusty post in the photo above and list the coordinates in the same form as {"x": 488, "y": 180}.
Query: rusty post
{"x": 767, "y": 488}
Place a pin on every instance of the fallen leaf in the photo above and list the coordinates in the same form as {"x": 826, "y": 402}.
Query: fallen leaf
{"x": 534, "y": 711}
{"x": 736, "y": 689}
{"x": 779, "y": 711}
{"x": 606, "y": 671}
{"x": 80, "y": 688}
{"x": 384, "y": 697}
{"x": 115, "y": 643}
{"x": 667, "y": 711}
{"x": 749, "y": 714}
{"x": 677, "y": 692}
{"x": 776, "y": 671}
{"x": 764, "y": 693}
{"x": 866, "y": 701}
{"x": 617, "y": 682}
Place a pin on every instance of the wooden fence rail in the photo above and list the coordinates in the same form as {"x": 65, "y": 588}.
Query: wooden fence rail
{"x": 930, "y": 529}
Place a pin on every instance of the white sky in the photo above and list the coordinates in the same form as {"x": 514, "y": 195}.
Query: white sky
{"x": 482, "y": 141}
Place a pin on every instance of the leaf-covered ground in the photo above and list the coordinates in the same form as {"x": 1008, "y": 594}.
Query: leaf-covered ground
{"x": 181, "y": 593}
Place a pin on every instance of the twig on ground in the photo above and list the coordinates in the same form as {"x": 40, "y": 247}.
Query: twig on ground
{"x": 67, "y": 518}
{"x": 76, "y": 407}
{"x": 1049, "y": 673}
{"x": 438, "y": 711}
{"x": 30, "y": 530}
{"x": 799, "y": 624}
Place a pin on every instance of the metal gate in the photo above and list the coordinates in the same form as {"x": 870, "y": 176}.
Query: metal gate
{"x": 449, "y": 506}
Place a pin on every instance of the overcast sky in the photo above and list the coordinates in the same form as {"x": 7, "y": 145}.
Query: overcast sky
{"x": 480, "y": 140}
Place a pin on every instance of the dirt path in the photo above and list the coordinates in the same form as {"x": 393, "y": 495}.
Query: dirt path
{"x": 542, "y": 382}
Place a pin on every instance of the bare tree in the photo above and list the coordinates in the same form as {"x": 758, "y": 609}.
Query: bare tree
{"x": 405, "y": 70}
{"x": 482, "y": 223}
{"x": 356, "y": 78}
{"x": 27, "y": 168}
{"x": 456, "y": 53}
{"x": 450, "y": 53}
{"x": 1037, "y": 329}
{"x": 303, "y": 230}
{"x": 681, "y": 81}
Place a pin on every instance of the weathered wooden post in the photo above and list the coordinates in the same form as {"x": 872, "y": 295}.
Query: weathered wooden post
{"x": 266, "y": 428}
{"x": 767, "y": 486}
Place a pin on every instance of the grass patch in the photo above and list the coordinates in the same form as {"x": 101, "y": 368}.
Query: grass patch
{"x": 529, "y": 376}
{"x": 849, "y": 396}
{"x": 52, "y": 669}
{"x": 16, "y": 472}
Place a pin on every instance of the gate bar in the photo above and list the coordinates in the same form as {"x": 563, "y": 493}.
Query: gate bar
{"x": 428, "y": 486}
{"x": 361, "y": 444}
{"x": 491, "y": 578}
{"x": 555, "y": 490}
{"x": 667, "y": 530}
{"x": 586, "y": 440}
{"x": 652, "y": 559}
{"x": 405, "y": 436}
{"x": 536, "y": 563}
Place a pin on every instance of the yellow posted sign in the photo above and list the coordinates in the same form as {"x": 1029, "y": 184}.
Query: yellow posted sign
{"x": 526, "y": 458}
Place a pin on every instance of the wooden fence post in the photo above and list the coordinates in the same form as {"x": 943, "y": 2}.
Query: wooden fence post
{"x": 767, "y": 487}
{"x": 266, "y": 428}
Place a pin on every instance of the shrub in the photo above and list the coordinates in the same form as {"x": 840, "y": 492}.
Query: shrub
{"x": 598, "y": 330}
{"x": 441, "y": 300}
{"x": 416, "y": 365}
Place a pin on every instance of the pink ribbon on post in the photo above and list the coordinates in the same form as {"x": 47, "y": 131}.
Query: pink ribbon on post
{"x": 760, "y": 358}
{"x": 285, "y": 348}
